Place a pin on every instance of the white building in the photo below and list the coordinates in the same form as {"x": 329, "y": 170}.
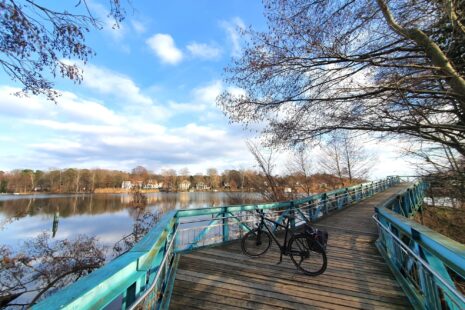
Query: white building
{"x": 201, "y": 186}
{"x": 126, "y": 185}
{"x": 153, "y": 184}
{"x": 184, "y": 185}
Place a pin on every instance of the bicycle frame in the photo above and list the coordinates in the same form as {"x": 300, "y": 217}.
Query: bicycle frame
{"x": 284, "y": 247}
{"x": 304, "y": 244}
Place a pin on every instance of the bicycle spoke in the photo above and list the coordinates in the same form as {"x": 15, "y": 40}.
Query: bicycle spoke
{"x": 305, "y": 257}
{"x": 255, "y": 243}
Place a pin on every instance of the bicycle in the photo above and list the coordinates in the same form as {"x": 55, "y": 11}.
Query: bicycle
{"x": 305, "y": 249}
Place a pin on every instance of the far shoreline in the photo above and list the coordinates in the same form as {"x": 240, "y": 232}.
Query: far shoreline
{"x": 123, "y": 191}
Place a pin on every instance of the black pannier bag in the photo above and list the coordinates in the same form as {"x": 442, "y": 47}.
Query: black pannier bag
{"x": 319, "y": 238}
{"x": 322, "y": 238}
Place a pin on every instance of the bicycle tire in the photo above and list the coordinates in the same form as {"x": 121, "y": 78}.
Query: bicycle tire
{"x": 307, "y": 255}
{"x": 256, "y": 242}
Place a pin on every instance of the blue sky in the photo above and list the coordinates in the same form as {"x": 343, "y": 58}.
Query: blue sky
{"x": 148, "y": 96}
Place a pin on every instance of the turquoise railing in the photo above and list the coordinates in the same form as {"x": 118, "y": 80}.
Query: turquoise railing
{"x": 429, "y": 266}
{"x": 144, "y": 276}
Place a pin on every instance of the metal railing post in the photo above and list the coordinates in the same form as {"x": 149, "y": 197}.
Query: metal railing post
{"x": 225, "y": 224}
{"x": 324, "y": 202}
{"x": 292, "y": 214}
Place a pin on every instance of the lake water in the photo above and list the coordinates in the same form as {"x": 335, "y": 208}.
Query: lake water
{"x": 108, "y": 217}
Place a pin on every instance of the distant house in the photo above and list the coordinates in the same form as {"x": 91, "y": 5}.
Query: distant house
{"x": 201, "y": 186}
{"x": 126, "y": 185}
{"x": 287, "y": 190}
{"x": 184, "y": 185}
{"x": 153, "y": 184}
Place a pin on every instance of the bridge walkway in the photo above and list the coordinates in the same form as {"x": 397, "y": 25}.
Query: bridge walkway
{"x": 356, "y": 278}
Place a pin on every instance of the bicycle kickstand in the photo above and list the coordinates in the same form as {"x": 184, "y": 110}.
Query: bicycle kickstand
{"x": 280, "y": 259}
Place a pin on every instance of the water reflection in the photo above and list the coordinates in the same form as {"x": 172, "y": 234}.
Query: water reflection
{"x": 55, "y": 223}
{"x": 107, "y": 216}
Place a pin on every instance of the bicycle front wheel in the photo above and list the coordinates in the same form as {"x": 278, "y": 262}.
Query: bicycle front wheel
{"x": 256, "y": 242}
{"x": 308, "y": 256}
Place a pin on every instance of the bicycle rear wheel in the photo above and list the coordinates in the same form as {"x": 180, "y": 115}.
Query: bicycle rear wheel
{"x": 307, "y": 255}
{"x": 256, "y": 242}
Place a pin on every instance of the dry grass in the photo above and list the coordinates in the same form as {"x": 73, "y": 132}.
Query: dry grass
{"x": 447, "y": 221}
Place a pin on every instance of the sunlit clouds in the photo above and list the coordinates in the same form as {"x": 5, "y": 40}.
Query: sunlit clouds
{"x": 165, "y": 49}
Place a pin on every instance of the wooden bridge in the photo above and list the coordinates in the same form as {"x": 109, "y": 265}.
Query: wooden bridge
{"x": 357, "y": 276}
{"x": 378, "y": 258}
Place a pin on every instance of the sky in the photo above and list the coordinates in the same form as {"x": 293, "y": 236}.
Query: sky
{"x": 148, "y": 97}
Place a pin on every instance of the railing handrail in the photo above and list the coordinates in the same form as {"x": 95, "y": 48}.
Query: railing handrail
{"x": 251, "y": 207}
{"x": 84, "y": 292}
{"x": 423, "y": 263}
{"x": 447, "y": 250}
{"x": 442, "y": 255}
{"x": 148, "y": 290}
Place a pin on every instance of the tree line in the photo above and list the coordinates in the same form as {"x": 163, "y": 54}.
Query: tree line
{"x": 341, "y": 163}
{"x": 73, "y": 180}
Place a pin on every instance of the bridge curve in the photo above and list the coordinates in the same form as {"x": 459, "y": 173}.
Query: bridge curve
{"x": 357, "y": 276}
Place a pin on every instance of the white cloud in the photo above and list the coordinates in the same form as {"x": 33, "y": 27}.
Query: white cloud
{"x": 76, "y": 127}
{"x": 203, "y": 100}
{"x": 111, "y": 83}
{"x": 207, "y": 94}
{"x": 203, "y": 50}
{"x": 232, "y": 28}
{"x": 86, "y": 110}
{"x": 86, "y": 133}
{"x": 237, "y": 91}
{"x": 138, "y": 26}
{"x": 69, "y": 107}
{"x": 64, "y": 135}
{"x": 164, "y": 47}
{"x": 186, "y": 107}
{"x": 389, "y": 158}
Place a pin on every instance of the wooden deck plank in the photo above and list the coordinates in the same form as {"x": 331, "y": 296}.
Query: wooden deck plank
{"x": 356, "y": 278}
{"x": 286, "y": 276}
{"x": 354, "y": 293}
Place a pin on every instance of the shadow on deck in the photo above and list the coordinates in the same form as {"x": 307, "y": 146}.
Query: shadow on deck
{"x": 356, "y": 277}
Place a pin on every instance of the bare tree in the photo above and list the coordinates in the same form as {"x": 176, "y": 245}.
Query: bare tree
{"x": 331, "y": 161}
{"x": 36, "y": 38}
{"x": 42, "y": 265}
{"x": 169, "y": 179}
{"x": 443, "y": 168}
{"x": 391, "y": 67}
{"x": 268, "y": 186}
{"x": 214, "y": 178}
{"x": 184, "y": 173}
{"x": 144, "y": 220}
{"x": 344, "y": 158}
{"x": 300, "y": 166}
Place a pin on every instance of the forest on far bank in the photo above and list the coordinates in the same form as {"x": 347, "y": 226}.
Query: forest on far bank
{"x": 72, "y": 180}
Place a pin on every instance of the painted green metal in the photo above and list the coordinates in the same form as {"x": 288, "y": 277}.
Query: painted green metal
{"x": 128, "y": 277}
{"x": 427, "y": 289}
{"x": 106, "y": 284}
